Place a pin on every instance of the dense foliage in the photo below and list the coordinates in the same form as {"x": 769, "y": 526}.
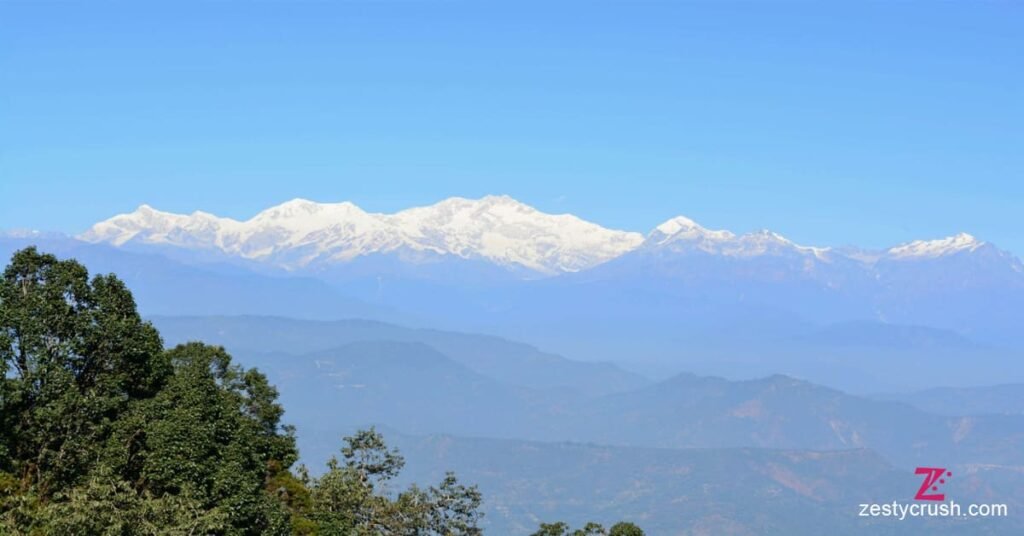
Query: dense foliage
{"x": 103, "y": 431}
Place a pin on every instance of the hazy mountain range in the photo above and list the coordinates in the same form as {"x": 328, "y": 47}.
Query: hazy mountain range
{"x": 426, "y": 381}
{"x": 547, "y": 437}
{"x": 700, "y": 492}
{"x": 513, "y": 363}
{"x": 680, "y": 298}
{"x": 1001, "y": 399}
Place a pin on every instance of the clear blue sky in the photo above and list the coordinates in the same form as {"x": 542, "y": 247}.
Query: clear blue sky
{"x": 867, "y": 124}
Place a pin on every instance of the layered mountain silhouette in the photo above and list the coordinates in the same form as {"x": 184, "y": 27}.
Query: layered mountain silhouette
{"x": 425, "y": 381}
{"x": 499, "y": 265}
{"x": 683, "y": 298}
{"x": 543, "y": 434}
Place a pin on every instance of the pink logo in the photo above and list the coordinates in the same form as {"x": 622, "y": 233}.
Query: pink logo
{"x": 934, "y": 477}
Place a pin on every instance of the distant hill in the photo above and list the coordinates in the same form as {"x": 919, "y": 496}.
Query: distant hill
{"x": 512, "y": 363}
{"x": 1005, "y": 399}
{"x": 718, "y": 492}
{"x": 409, "y": 386}
{"x": 781, "y": 412}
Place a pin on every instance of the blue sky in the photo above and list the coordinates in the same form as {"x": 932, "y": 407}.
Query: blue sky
{"x": 861, "y": 124}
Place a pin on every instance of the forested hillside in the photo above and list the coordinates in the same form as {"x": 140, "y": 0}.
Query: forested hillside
{"x": 104, "y": 431}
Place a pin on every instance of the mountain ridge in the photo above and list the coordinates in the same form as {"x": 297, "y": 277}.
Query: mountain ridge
{"x": 303, "y": 234}
{"x": 300, "y": 233}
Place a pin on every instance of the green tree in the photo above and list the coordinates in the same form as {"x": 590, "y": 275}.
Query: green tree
{"x": 352, "y": 497}
{"x": 625, "y": 528}
{"x": 590, "y": 529}
{"x": 212, "y": 433}
{"x": 449, "y": 509}
{"x": 75, "y": 354}
{"x": 100, "y": 427}
{"x": 107, "y": 505}
{"x": 558, "y": 528}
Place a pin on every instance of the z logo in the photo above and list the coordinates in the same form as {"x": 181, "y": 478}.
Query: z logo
{"x": 932, "y": 475}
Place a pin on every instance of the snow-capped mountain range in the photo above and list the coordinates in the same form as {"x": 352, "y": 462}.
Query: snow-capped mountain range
{"x": 301, "y": 233}
{"x": 496, "y": 229}
{"x": 499, "y": 266}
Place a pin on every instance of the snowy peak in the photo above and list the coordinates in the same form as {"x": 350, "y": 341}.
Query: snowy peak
{"x": 681, "y": 234}
{"x": 677, "y": 225}
{"x": 300, "y": 232}
{"x": 152, "y": 225}
{"x": 298, "y": 211}
{"x": 935, "y": 248}
{"x": 502, "y": 229}
{"x": 683, "y": 229}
